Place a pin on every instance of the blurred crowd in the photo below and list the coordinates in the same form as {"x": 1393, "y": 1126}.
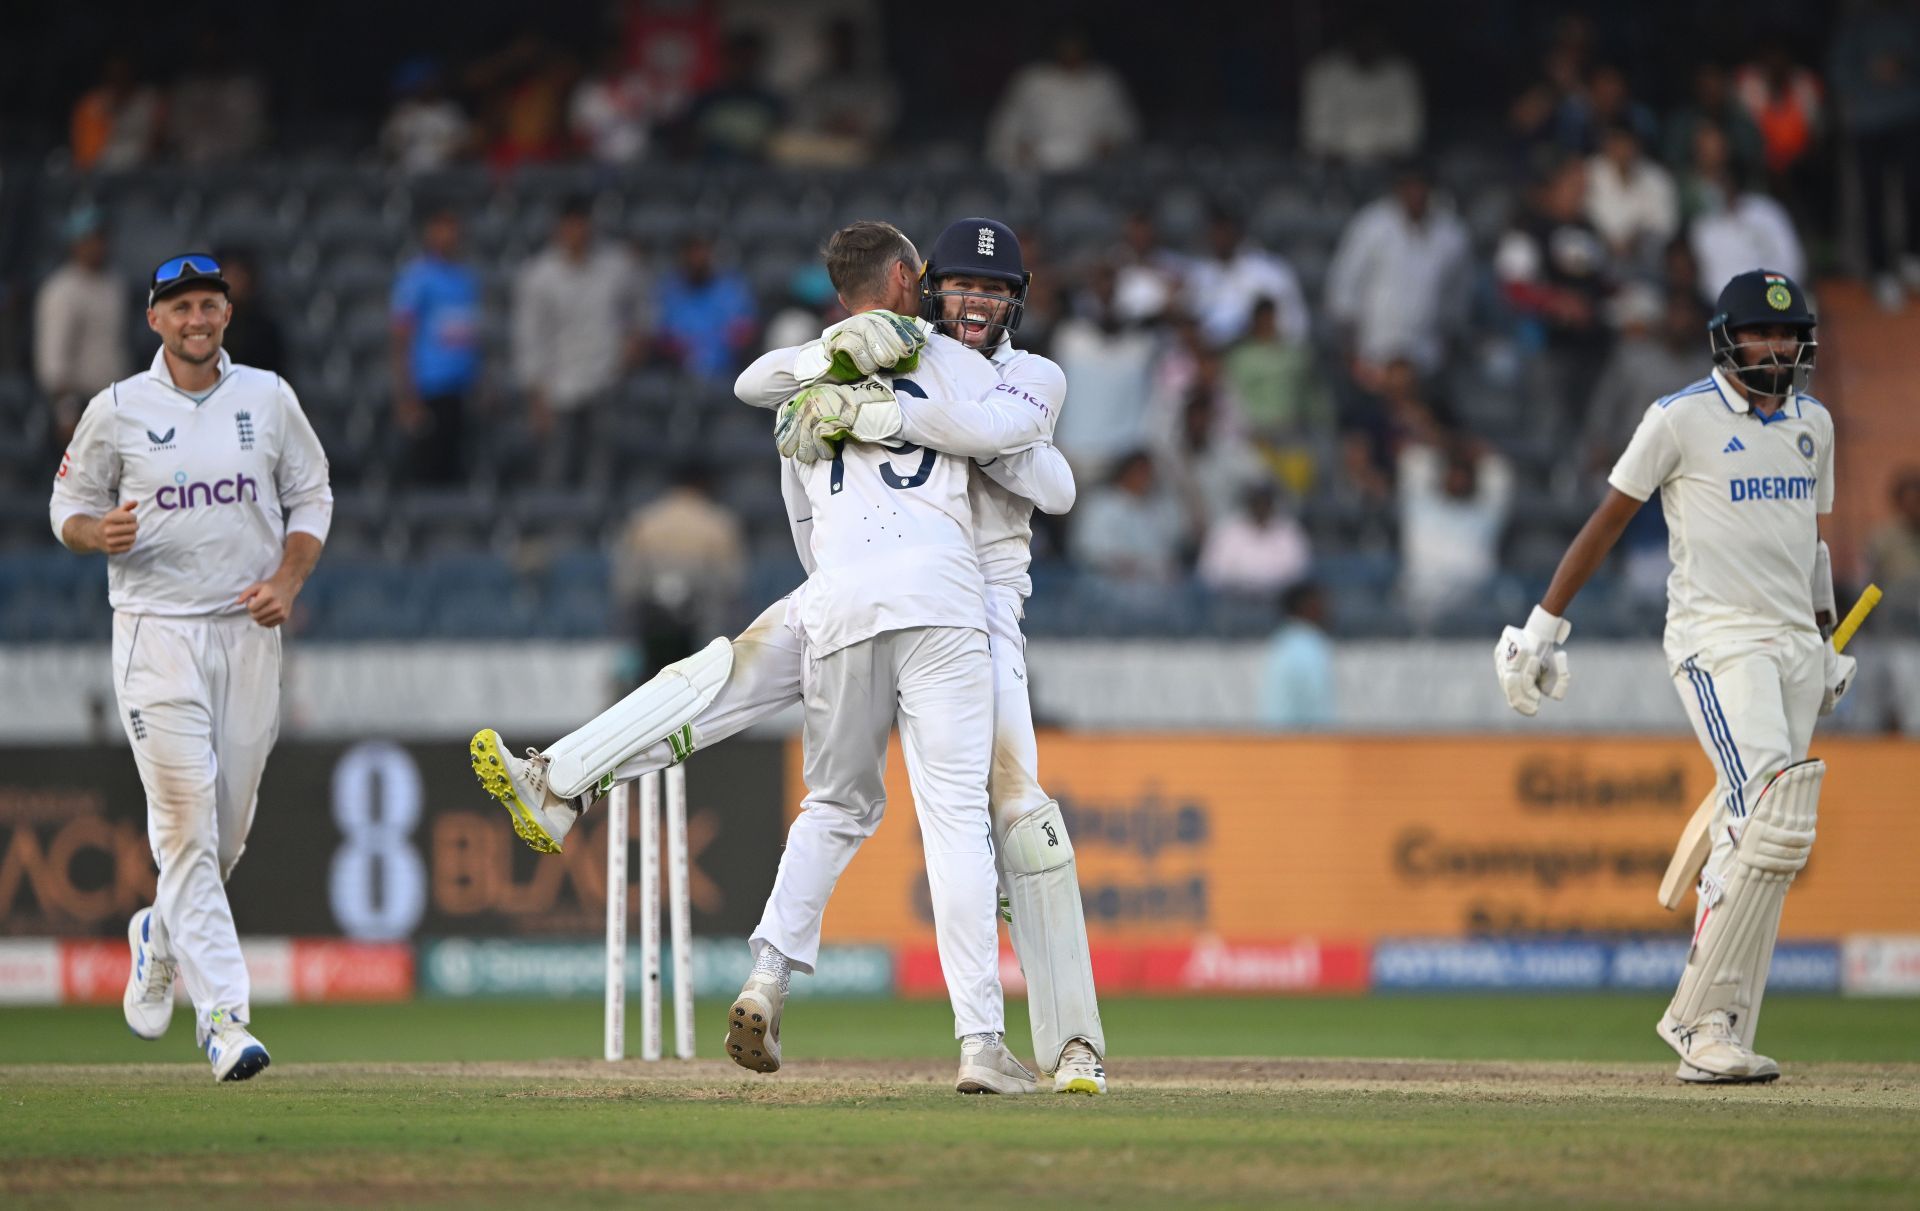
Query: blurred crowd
{"x": 1242, "y": 416}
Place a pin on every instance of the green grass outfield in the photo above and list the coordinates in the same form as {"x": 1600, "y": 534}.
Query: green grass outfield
{"x": 1383, "y": 1101}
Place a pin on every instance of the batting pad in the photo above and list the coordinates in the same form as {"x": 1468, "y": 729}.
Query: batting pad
{"x": 1733, "y": 945}
{"x": 1049, "y": 931}
{"x": 673, "y": 698}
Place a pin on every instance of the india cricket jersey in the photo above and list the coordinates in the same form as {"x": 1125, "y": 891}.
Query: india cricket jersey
{"x": 1740, "y": 493}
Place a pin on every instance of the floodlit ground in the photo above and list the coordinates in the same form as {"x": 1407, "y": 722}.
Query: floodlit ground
{"x": 1521, "y": 1102}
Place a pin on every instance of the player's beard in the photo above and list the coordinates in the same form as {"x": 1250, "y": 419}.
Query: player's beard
{"x": 182, "y": 351}
{"x": 993, "y": 310}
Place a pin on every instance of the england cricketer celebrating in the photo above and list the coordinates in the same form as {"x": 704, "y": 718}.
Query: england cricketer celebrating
{"x": 204, "y": 485}
{"x": 1743, "y": 462}
{"x": 762, "y": 673}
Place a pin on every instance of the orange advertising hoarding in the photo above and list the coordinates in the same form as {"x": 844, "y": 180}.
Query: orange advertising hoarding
{"x": 1366, "y": 838}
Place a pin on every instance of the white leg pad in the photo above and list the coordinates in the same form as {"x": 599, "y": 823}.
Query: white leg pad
{"x": 1049, "y": 931}
{"x": 657, "y": 711}
{"x": 1733, "y": 945}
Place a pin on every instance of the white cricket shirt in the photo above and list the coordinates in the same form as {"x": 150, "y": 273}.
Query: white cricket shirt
{"x": 892, "y": 525}
{"x": 1741, "y": 495}
{"x": 220, "y": 483}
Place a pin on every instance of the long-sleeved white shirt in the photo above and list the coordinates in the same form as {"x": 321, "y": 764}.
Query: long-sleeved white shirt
{"x": 1643, "y": 207}
{"x": 79, "y": 332}
{"x": 1354, "y": 112}
{"x": 1397, "y": 281}
{"x": 1057, "y": 119}
{"x": 571, "y": 321}
{"x": 220, "y": 483}
{"x": 1006, "y": 432}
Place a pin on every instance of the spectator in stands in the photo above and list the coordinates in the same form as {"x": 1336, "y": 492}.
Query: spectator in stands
{"x": 577, "y": 324}
{"x": 706, "y": 316}
{"x": 1109, "y": 361}
{"x": 79, "y": 326}
{"x": 1376, "y": 423}
{"x": 1662, "y": 347}
{"x": 427, "y": 129}
{"x": 526, "y": 87}
{"x": 1277, "y": 394}
{"x": 736, "y": 119}
{"x": 1259, "y": 548}
{"x": 1360, "y": 102}
{"x": 1553, "y": 115}
{"x": 216, "y": 110}
{"x": 1893, "y": 553}
{"x": 1734, "y": 230}
{"x": 612, "y": 111}
{"x": 1130, "y": 528}
{"x": 117, "y": 123}
{"x": 1787, "y": 105}
{"x": 436, "y": 352}
{"x": 1297, "y": 689}
{"x": 846, "y": 111}
{"x": 1221, "y": 287}
{"x": 1455, "y": 495}
{"x": 811, "y": 307}
{"x": 1146, "y": 272}
{"x": 1876, "y": 81}
{"x": 1611, "y": 104}
{"x": 254, "y": 336}
{"x": 1714, "y": 105}
{"x": 1063, "y": 114}
{"x": 1554, "y": 273}
{"x": 1400, "y": 277}
{"x": 1631, "y": 199}
{"x": 678, "y": 568}
{"x": 1205, "y": 458}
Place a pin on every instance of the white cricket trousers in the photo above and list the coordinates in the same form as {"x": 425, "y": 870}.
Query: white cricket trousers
{"x": 1753, "y": 705}
{"x": 200, "y": 701}
{"x": 937, "y": 683}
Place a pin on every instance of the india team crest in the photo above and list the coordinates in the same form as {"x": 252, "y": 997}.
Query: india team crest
{"x": 1806, "y": 444}
{"x": 1779, "y": 296}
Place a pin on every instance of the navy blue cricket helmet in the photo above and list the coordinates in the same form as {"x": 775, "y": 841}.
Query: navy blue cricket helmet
{"x": 1761, "y": 298}
{"x": 979, "y": 248}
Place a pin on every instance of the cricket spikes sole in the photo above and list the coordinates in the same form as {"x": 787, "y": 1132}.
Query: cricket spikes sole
{"x": 753, "y": 1024}
{"x": 1080, "y": 1070}
{"x": 521, "y": 789}
{"x": 1764, "y": 1072}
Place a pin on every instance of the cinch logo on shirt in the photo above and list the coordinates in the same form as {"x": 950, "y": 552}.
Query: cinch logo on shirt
{"x": 182, "y": 494}
{"x": 1771, "y": 487}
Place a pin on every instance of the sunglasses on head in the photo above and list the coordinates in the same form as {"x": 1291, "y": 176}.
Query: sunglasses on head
{"x": 173, "y": 270}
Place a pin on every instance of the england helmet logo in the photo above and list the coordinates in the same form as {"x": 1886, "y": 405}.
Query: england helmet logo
{"x": 985, "y": 246}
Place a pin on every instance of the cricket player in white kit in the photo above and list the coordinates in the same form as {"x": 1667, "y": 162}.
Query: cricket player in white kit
{"x": 1743, "y": 462}
{"x": 206, "y": 488}
{"x": 763, "y": 676}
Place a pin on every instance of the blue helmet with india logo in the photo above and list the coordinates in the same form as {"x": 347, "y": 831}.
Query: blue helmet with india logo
{"x": 1749, "y": 305}
{"x": 970, "y": 253}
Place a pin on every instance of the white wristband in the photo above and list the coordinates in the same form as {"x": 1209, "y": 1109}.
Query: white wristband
{"x": 1547, "y": 628}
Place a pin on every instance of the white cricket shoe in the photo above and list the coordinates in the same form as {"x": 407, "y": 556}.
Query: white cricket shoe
{"x": 236, "y": 1054}
{"x": 541, "y": 817}
{"x": 986, "y": 1066}
{"x": 753, "y": 1024}
{"x": 149, "y": 999}
{"x": 1711, "y": 1051}
{"x": 1080, "y": 1070}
